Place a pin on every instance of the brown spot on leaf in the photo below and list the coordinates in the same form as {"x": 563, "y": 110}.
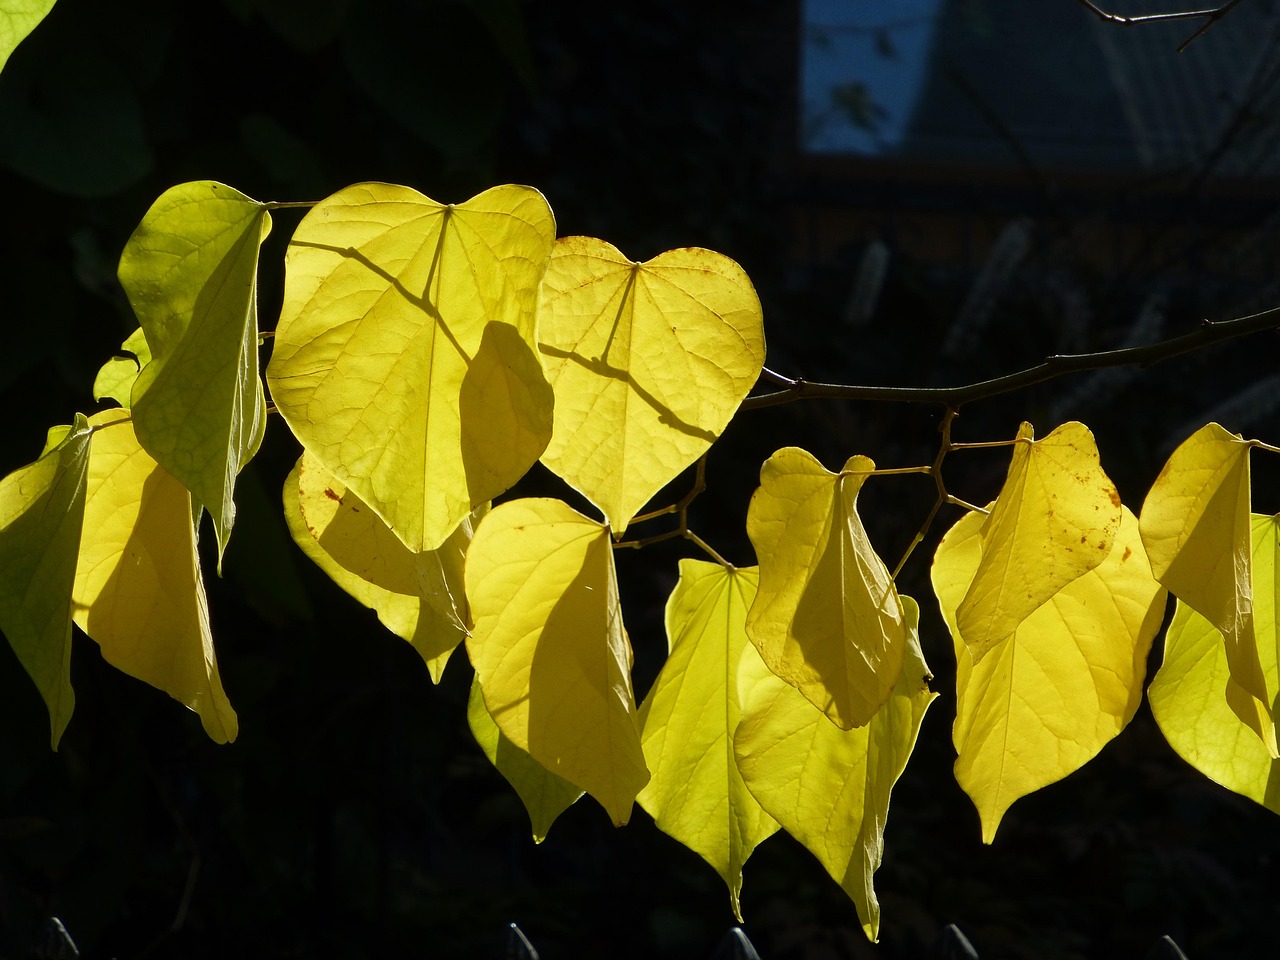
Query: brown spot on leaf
{"x": 332, "y": 494}
{"x": 1128, "y": 552}
{"x": 1114, "y": 494}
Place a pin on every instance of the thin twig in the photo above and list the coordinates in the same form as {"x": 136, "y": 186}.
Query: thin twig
{"x": 1208, "y": 333}
{"x": 1210, "y": 15}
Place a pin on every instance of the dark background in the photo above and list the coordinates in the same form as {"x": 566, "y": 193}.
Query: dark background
{"x": 354, "y": 816}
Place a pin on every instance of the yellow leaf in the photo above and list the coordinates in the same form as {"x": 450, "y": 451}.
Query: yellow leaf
{"x": 117, "y": 376}
{"x": 406, "y": 358}
{"x": 191, "y": 272}
{"x": 1055, "y": 519}
{"x": 41, "y": 514}
{"x": 17, "y": 19}
{"x": 649, "y": 362}
{"x": 544, "y": 795}
{"x": 688, "y": 719}
{"x": 1195, "y": 524}
{"x": 829, "y": 788}
{"x": 827, "y": 619}
{"x": 1048, "y": 697}
{"x": 1188, "y": 696}
{"x": 138, "y": 590}
{"x": 550, "y": 650}
{"x": 417, "y": 596}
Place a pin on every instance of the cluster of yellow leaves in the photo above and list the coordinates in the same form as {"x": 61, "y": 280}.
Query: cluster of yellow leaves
{"x": 428, "y": 354}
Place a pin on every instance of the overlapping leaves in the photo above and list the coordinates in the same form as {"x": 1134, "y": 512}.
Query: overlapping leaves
{"x": 1189, "y": 694}
{"x": 828, "y": 619}
{"x": 417, "y": 596}
{"x": 549, "y": 647}
{"x": 689, "y": 717}
{"x": 406, "y": 360}
{"x": 1196, "y": 528}
{"x": 190, "y": 270}
{"x": 96, "y": 532}
{"x": 829, "y": 788}
{"x": 1041, "y": 702}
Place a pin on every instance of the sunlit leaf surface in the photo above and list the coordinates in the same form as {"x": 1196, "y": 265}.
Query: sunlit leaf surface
{"x": 1055, "y": 519}
{"x": 1188, "y": 695}
{"x": 417, "y": 596}
{"x": 827, "y": 619}
{"x": 190, "y": 270}
{"x": 1195, "y": 524}
{"x": 688, "y": 719}
{"x": 649, "y": 361}
{"x": 1042, "y": 702}
{"x": 41, "y": 513}
{"x": 550, "y": 650}
{"x": 17, "y": 19}
{"x": 117, "y": 376}
{"x": 829, "y": 788}
{"x": 544, "y": 795}
{"x": 138, "y": 590}
{"x": 406, "y": 359}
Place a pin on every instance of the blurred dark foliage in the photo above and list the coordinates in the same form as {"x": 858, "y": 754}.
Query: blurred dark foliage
{"x": 354, "y": 816}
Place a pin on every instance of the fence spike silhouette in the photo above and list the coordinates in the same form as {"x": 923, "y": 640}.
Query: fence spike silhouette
{"x": 734, "y": 945}
{"x": 518, "y": 945}
{"x": 1166, "y": 949}
{"x": 952, "y": 945}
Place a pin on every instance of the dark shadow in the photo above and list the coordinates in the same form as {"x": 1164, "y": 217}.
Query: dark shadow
{"x": 602, "y": 368}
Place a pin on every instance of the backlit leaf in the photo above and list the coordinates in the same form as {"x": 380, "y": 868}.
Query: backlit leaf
{"x": 191, "y": 270}
{"x": 41, "y": 514}
{"x": 406, "y": 358}
{"x": 1188, "y": 696}
{"x": 1195, "y": 525}
{"x": 17, "y": 19}
{"x": 417, "y": 596}
{"x": 117, "y": 376}
{"x": 829, "y": 788}
{"x": 649, "y": 361}
{"x": 688, "y": 719}
{"x": 827, "y": 619}
{"x": 1055, "y": 519}
{"x": 138, "y": 590}
{"x": 550, "y": 650}
{"x": 543, "y": 794}
{"x": 1048, "y": 697}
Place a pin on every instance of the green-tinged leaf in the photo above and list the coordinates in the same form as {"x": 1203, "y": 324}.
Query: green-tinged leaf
{"x": 827, "y": 619}
{"x": 1047, "y": 698}
{"x": 1195, "y": 525}
{"x": 138, "y": 590}
{"x": 41, "y": 514}
{"x": 406, "y": 356}
{"x": 829, "y": 788}
{"x": 543, "y": 794}
{"x": 649, "y": 362}
{"x": 17, "y": 19}
{"x": 1188, "y": 696}
{"x": 688, "y": 720}
{"x": 550, "y": 650}
{"x": 417, "y": 596}
{"x": 117, "y": 376}
{"x": 190, "y": 270}
{"x": 1055, "y": 519}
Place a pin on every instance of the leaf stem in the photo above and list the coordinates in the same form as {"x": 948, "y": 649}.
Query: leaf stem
{"x": 289, "y": 204}
{"x": 690, "y": 535}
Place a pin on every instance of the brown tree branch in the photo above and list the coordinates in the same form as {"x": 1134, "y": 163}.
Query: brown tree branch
{"x": 1209, "y": 333}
